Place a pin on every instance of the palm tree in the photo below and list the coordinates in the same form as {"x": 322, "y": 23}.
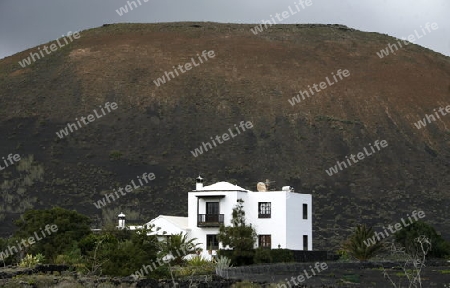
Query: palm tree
{"x": 178, "y": 246}
{"x": 359, "y": 246}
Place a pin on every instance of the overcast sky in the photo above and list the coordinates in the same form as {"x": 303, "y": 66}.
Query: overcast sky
{"x": 29, "y": 23}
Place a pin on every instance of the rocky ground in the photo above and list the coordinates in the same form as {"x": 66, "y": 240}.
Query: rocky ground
{"x": 367, "y": 275}
{"x": 341, "y": 274}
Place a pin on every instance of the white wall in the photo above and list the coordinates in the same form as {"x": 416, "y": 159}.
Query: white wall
{"x": 296, "y": 226}
{"x": 274, "y": 226}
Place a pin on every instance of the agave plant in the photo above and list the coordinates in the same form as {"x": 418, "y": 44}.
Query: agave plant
{"x": 356, "y": 244}
{"x": 223, "y": 262}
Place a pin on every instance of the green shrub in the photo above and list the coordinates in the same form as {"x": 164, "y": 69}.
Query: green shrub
{"x": 197, "y": 261}
{"x": 262, "y": 255}
{"x": 353, "y": 278}
{"x": 161, "y": 272}
{"x": 195, "y": 266}
{"x": 225, "y": 253}
{"x": 282, "y": 255}
{"x": 440, "y": 248}
{"x": 343, "y": 255}
{"x": 30, "y": 261}
{"x": 115, "y": 155}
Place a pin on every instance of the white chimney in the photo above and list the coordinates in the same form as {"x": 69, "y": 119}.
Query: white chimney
{"x": 121, "y": 218}
{"x": 199, "y": 184}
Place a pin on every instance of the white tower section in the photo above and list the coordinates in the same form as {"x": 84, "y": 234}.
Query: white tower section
{"x": 121, "y": 218}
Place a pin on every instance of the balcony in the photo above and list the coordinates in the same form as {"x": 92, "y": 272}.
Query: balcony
{"x": 209, "y": 220}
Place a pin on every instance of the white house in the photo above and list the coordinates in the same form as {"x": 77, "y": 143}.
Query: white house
{"x": 282, "y": 219}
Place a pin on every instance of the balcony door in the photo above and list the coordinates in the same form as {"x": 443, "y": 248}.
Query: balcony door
{"x": 212, "y": 211}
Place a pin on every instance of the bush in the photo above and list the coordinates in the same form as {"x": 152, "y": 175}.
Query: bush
{"x": 282, "y": 255}
{"x": 196, "y": 266}
{"x": 262, "y": 255}
{"x": 405, "y": 237}
{"x": 343, "y": 255}
{"x": 243, "y": 258}
{"x": 30, "y": 261}
{"x": 225, "y": 253}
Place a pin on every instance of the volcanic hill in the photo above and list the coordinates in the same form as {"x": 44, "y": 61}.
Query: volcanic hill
{"x": 251, "y": 78}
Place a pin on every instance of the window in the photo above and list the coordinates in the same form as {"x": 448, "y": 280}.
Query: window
{"x": 305, "y": 211}
{"x": 212, "y": 208}
{"x": 265, "y": 241}
{"x": 211, "y": 242}
{"x": 305, "y": 242}
{"x": 264, "y": 210}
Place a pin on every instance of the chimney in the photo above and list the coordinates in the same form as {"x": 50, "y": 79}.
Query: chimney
{"x": 121, "y": 218}
{"x": 199, "y": 184}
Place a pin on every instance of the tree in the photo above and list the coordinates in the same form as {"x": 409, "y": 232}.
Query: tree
{"x": 71, "y": 228}
{"x": 5, "y": 257}
{"x": 408, "y": 235}
{"x": 119, "y": 253}
{"x": 356, "y": 245}
{"x": 240, "y": 236}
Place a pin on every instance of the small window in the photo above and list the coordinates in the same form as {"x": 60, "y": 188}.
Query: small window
{"x": 305, "y": 242}
{"x": 211, "y": 242}
{"x": 264, "y": 210}
{"x": 265, "y": 241}
{"x": 305, "y": 211}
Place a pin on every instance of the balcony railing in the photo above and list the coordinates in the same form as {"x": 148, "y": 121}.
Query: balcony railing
{"x": 209, "y": 220}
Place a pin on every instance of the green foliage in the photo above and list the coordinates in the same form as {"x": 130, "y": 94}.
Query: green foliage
{"x": 71, "y": 257}
{"x": 72, "y": 227}
{"x": 356, "y": 247}
{"x": 352, "y": 278}
{"x": 225, "y": 253}
{"x": 282, "y": 255}
{"x": 406, "y": 237}
{"x": 262, "y": 255}
{"x": 197, "y": 261}
{"x": 196, "y": 266}
{"x": 30, "y": 261}
{"x": 343, "y": 255}
{"x": 115, "y": 155}
{"x": 3, "y": 246}
{"x": 124, "y": 253}
{"x": 178, "y": 246}
{"x": 240, "y": 236}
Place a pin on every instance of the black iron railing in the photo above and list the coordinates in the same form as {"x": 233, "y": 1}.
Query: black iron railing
{"x": 209, "y": 220}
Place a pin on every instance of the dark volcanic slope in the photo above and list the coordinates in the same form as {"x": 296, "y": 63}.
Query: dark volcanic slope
{"x": 251, "y": 79}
